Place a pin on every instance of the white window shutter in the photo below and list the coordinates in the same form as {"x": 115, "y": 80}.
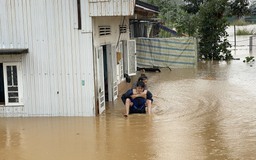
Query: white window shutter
{"x": 130, "y": 61}
{"x": 100, "y": 75}
{"x": 121, "y": 62}
{"x": 114, "y": 75}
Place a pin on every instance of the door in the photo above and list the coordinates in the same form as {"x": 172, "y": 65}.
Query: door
{"x": 100, "y": 75}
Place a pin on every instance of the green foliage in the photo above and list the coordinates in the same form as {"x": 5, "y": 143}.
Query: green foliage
{"x": 205, "y": 19}
{"x": 192, "y": 6}
{"x": 212, "y": 30}
{"x": 239, "y": 8}
{"x": 249, "y": 59}
{"x": 186, "y": 23}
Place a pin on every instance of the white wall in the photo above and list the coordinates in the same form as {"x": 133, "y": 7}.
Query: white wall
{"x": 114, "y": 22}
{"x": 60, "y": 56}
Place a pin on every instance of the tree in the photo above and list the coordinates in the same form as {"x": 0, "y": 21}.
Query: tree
{"x": 239, "y": 8}
{"x": 192, "y": 6}
{"x": 212, "y": 30}
{"x": 252, "y": 8}
{"x": 206, "y": 19}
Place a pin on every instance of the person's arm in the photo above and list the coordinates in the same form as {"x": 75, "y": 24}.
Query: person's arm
{"x": 135, "y": 94}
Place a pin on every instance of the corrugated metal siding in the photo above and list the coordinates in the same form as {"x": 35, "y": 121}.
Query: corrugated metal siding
{"x": 111, "y": 7}
{"x": 60, "y": 57}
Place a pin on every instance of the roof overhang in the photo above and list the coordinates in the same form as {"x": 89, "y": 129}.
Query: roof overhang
{"x": 146, "y": 7}
{"x": 13, "y": 50}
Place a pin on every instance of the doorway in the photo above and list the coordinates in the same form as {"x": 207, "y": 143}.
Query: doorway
{"x": 2, "y": 98}
{"x": 105, "y": 66}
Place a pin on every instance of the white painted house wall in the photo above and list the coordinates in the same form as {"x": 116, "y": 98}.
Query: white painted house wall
{"x": 112, "y": 42}
{"x": 57, "y": 73}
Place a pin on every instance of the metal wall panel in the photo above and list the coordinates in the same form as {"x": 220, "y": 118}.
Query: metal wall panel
{"x": 112, "y": 8}
{"x": 58, "y": 78}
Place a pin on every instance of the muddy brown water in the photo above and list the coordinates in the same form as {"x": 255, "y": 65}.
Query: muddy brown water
{"x": 206, "y": 113}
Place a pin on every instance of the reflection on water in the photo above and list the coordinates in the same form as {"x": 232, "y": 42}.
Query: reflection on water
{"x": 203, "y": 113}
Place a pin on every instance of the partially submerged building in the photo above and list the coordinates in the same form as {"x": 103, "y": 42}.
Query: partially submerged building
{"x": 67, "y": 58}
{"x": 63, "y": 58}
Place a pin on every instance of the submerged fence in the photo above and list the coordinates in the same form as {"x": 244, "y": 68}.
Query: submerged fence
{"x": 166, "y": 52}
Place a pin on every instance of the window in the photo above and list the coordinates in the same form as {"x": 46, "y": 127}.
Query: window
{"x": 11, "y": 89}
{"x": 104, "y": 30}
{"x": 122, "y": 28}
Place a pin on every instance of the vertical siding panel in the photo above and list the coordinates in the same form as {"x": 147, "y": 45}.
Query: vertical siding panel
{"x": 86, "y": 20}
{"x": 112, "y": 8}
{"x": 40, "y": 55}
{"x": 13, "y": 24}
{"x": 19, "y": 29}
{"x": 126, "y": 9}
{"x": 82, "y": 41}
{"x": 72, "y": 58}
{"x": 5, "y": 24}
{"x": 8, "y": 35}
{"x": 26, "y": 68}
{"x": 87, "y": 73}
{"x": 23, "y": 17}
{"x": 60, "y": 60}
{"x": 50, "y": 57}
{"x": 69, "y": 62}
{"x": 74, "y": 11}
{"x": 37, "y": 34}
{"x": 97, "y": 9}
{"x": 57, "y": 52}
{"x": 117, "y": 6}
{"x": 104, "y": 8}
{"x": 65, "y": 58}
{"x": 87, "y": 70}
{"x": 45, "y": 63}
{"x": 1, "y": 23}
{"x": 78, "y": 72}
{"x": 25, "y": 59}
{"x": 32, "y": 96}
{"x": 34, "y": 60}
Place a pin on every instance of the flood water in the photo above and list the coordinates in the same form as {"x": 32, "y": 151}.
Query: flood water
{"x": 205, "y": 113}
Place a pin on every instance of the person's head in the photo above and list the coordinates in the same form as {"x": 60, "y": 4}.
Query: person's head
{"x": 140, "y": 86}
{"x": 143, "y": 78}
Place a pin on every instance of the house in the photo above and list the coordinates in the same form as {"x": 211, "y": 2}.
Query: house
{"x": 63, "y": 57}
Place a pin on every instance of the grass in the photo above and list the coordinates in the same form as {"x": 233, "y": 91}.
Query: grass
{"x": 244, "y": 32}
{"x": 239, "y": 22}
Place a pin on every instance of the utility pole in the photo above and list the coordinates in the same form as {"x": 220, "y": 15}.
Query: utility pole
{"x": 235, "y": 35}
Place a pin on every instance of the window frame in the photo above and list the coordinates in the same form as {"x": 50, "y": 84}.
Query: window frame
{"x": 19, "y": 84}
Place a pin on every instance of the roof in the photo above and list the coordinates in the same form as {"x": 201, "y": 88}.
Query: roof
{"x": 146, "y": 6}
{"x": 13, "y": 50}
